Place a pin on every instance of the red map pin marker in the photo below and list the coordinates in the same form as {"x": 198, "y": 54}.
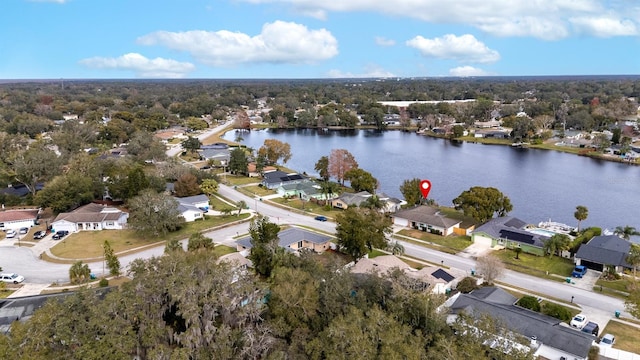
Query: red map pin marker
{"x": 425, "y": 187}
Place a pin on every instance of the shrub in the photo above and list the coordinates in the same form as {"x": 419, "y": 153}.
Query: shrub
{"x": 557, "y": 311}
{"x": 467, "y": 285}
{"x": 103, "y": 282}
{"x": 529, "y": 302}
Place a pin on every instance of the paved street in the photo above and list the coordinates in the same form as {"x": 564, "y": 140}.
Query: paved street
{"x": 25, "y": 260}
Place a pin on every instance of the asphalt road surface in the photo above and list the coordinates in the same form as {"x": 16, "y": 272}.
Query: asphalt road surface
{"x": 24, "y": 262}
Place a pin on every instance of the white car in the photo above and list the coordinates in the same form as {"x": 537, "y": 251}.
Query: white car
{"x": 11, "y": 234}
{"x": 607, "y": 340}
{"x": 11, "y": 278}
{"x": 578, "y": 321}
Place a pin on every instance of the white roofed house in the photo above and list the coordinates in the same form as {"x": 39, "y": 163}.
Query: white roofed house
{"x": 91, "y": 217}
{"x": 193, "y": 208}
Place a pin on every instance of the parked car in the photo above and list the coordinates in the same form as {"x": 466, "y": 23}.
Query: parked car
{"x": 578, "y": 321}
{"x": 607, "y": 340}
{"x": 23, "y": 230}
{"x": 11, "y": 234}
{"x": 579, "y": 271}
{"x": 40, "y": 234}
{"x": 321, "y": 218}
{"x": 60, "y": 234}
{"x": 591, "y": 328}
{"x": 12, "y": 278}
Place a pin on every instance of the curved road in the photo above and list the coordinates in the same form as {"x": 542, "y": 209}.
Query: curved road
{"x": 23, "y": 260}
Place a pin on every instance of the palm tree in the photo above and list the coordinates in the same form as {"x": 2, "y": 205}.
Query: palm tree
{"x": 634, "y": 258}
{"x": 395, "y": 248}
{"x": 79, "y": 272}
{"x": 556, "y": 244}
{"x": 581, "y": 214}
{"x": 626, "y": 232}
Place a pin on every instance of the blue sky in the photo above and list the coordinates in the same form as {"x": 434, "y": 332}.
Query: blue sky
{"x": 96, "y": 39}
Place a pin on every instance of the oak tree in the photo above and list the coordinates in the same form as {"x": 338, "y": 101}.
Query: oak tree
{"x": 154, "y": 213}
{"x": 274, "y": 150}
{"x": 361, "y": 180}
{"x": 360, "y": 230}
{"x": 482, "y": 203}
{"x": 410, "y": 189}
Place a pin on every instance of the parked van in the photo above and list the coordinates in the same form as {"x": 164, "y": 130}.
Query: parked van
{"x": 591, "y": 328}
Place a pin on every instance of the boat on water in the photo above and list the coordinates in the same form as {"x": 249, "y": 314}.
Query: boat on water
{"x": 556, "y": 227}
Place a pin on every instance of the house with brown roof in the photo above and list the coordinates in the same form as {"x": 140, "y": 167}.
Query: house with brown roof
{"x": 431, "y": 278}
{"x": 426, "y": 218}
{"x": 16, "y": 219}
{"x": 93, "y": 217}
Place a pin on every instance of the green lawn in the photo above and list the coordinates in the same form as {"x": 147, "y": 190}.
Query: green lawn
{"x": 375, "y": 253}
{"x": 220, "y": 250}
{"x": 258, "y": 190}
{"x": 627, "y": 336}
{"x": 239, "y": 179}
{"x": 88, "y": 244}
{"x": 618, "y": 288}
{"x": 541, "y": 266}
{"x": 457, "y": 243}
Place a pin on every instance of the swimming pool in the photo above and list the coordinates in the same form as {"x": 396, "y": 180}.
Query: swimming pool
{"x": 543, "y": 232}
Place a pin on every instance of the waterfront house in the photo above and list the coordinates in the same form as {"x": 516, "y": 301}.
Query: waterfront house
{"x": 350, "y": 199}
{"x": 509, "y": 232}
{"x": 274, "y": 179}
{"x": 545, "y": 336}
{"x": 19, "y": 218}
{"x": 294, "y": 239}
{"x": 602, "y": 251}
{"x": 93, "y": 217}
{"x": 426, "y": 218}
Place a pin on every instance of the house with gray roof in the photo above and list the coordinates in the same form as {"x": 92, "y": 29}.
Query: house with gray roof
{"x": 277, "y": 178}
{"x": 426, "y": 218}
{"x": 604, "y": 250}
{"x": 543, "y": 334}
{"x": 92, "y": 217}
{"x": 293, "y": 239}
{"x": 304, "y": 190}
{"x": 350, "y": 199}
{"x": 216, "y": 155}
{"x": 193, "y": 208}
{"x": 509, "y": 232}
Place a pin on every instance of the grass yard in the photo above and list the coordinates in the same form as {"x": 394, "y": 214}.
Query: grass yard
{"x": 4, "y": 293}
{"x": 457, "y": 243}
{"x": 258, "y": 190}
{"x": 617, "y": 288}
{"x": 220, "y": 250}
{"x": 375, "y": 253}
{"x": 239, "y": 179}
{"x": 627, "y": 336}
{"x": 88, "y": 244}
{"x": 540, "y": 266}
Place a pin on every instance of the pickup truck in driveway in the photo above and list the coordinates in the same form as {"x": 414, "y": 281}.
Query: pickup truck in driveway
{"x": 579, "y": 271}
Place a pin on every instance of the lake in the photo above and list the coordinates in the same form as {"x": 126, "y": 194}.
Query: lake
{"x": 541, "y": 184}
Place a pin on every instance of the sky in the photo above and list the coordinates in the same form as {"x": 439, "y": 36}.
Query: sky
{"x": 302, "y": 39}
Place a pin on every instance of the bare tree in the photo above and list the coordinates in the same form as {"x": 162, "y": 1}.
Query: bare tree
{"x": 490, "y": 267}
{"x": 341, "y": 161}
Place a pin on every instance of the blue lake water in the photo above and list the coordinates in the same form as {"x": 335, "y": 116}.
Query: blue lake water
{"x": 541, "y": 184}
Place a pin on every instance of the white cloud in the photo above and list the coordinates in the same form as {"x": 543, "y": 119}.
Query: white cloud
{"x": 544, "y": 19}
{"x": 462, "y": 48}
{"x": 605, "y": 26}
{"x": 372, "y": 71}
{"x": 279, "y": 42}
{"x": 464, "y": 71}
{"x": 142, "y": 66}
{"x": 384, "y": 41}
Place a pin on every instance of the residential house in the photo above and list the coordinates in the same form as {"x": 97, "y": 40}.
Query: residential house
{"x": 16, "y": 219}
{"x": 293, "y": 239}
{"x": 218, "y": 155}
{"x": 193, "y": 208}
{"x": 350, "y": 199}
{"x": 602, "y": 251}
{"x": 434, "y": 279}
{"x": 274, "y": 179}
{"x": 426, "y": 218}
{"x": 495, "y": 134}
{"x": 493, "y": 123}
{"x": 19, "y": 190}
{"x": 305, "y": 191}
{"x": 545, "y": 336}
{"x": 509, "y": 232}
{"x": 92, "y": 217}
{"x": 166, "y": 136}
{"x": 391, "y": 204}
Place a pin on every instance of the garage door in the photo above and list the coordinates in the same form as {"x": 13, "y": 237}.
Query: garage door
{"x": 592, "y": 265}
{"x": 482, "y": 240}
